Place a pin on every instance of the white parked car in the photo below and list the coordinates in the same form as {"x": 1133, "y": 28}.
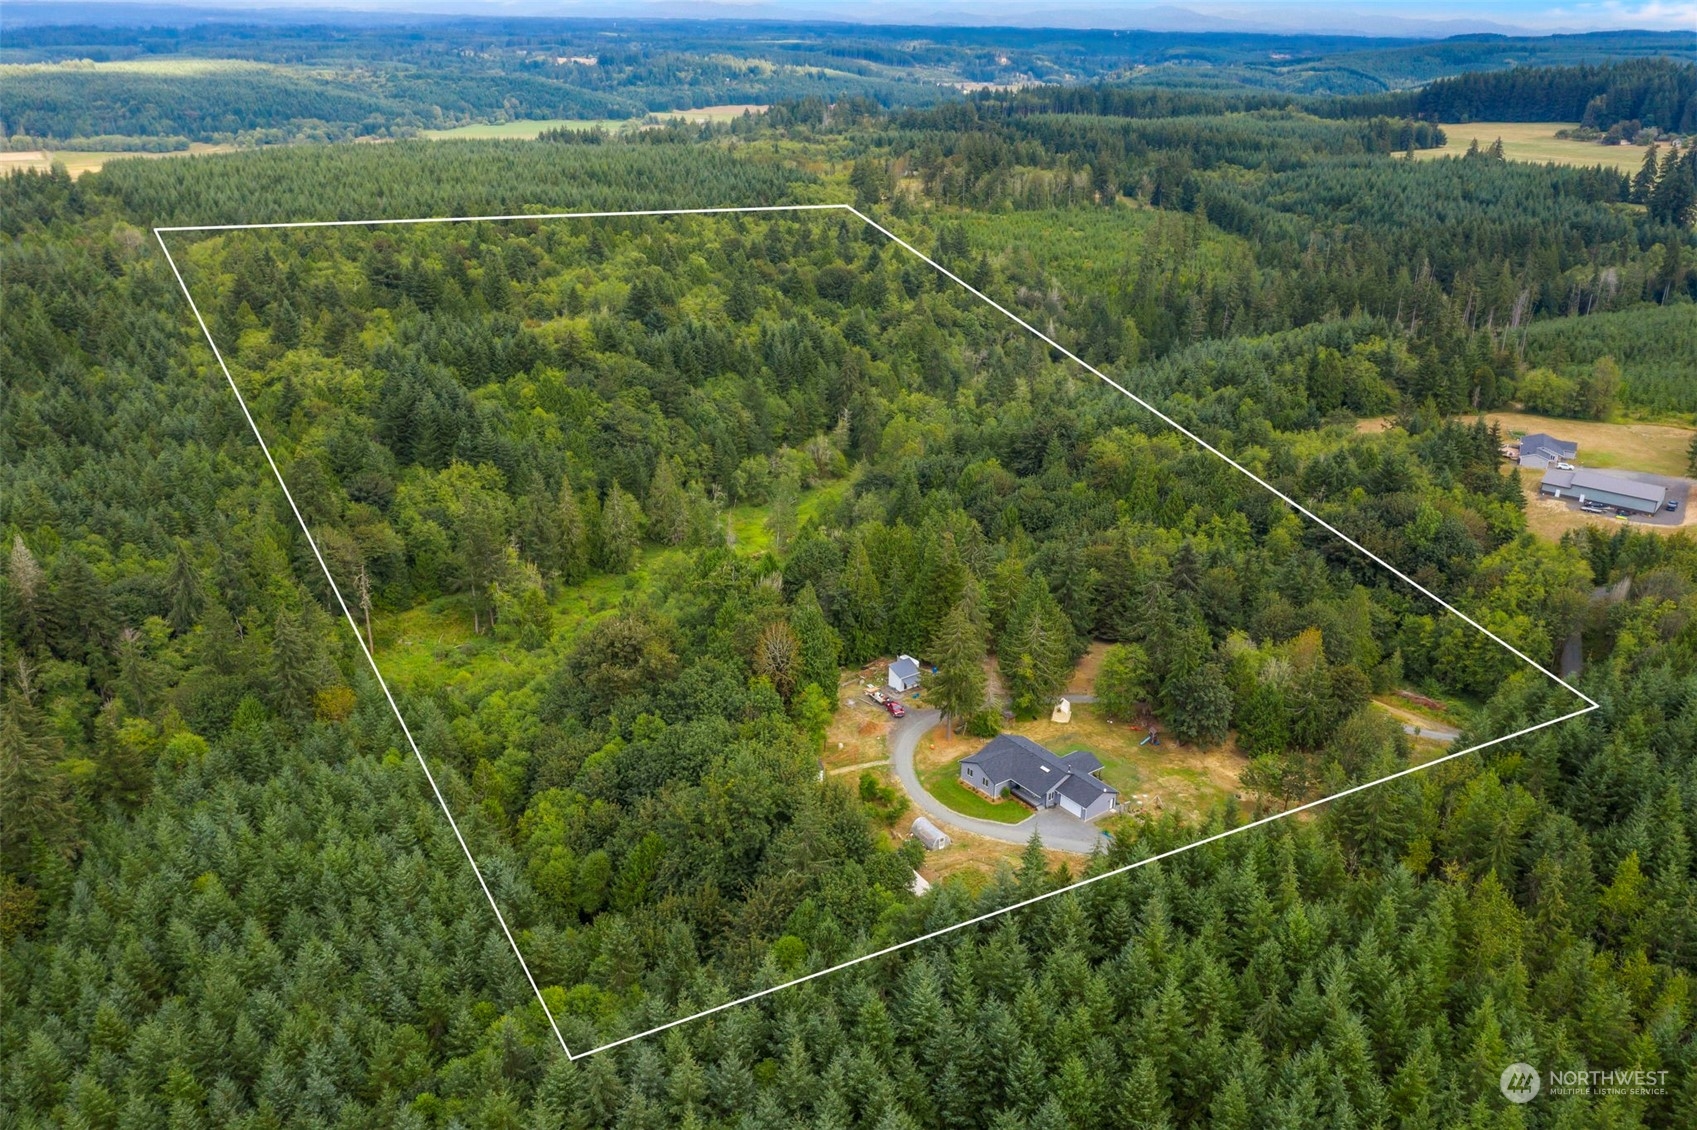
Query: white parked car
{"x": 1564, "y": 466}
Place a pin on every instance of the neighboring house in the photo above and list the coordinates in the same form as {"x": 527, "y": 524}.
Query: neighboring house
{"x": 927, "y": 833}
{"x": 1539, "y": 451}
{"x": 1604, "y": 489}
{"x": 1016, "y": 765}
{"x": 904, "y": 673}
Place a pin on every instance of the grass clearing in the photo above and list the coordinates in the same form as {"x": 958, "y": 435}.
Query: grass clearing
{"x": 530, "y": 129}
{"x": 433, "y": 645}
{"x": 1169, "y": 777}
{"x": 1660, "y": 449}
{"x": 1536, "y": 142}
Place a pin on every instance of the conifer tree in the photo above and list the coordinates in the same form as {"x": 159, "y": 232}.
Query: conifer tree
{"x": 183, "y": 585}
{"x": 958, "y": 650}
{"x": 572, "y": 527}
{"x": 860, "y": 607}
{"x": 1035, "y": 656}
{"x": 621, "y": 530}
{"x": 668, "y": 516}
{"x": 821, "y": 648}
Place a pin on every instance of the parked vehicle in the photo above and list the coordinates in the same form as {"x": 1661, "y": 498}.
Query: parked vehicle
{"x": 1593, "y": 508}
{"x": 1564, "y": 466}
{"x": 896, "y": 709}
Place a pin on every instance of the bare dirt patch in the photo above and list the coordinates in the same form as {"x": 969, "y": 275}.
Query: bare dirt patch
{"x": 1083, "y": 679}
{"x": 858, "y": 733}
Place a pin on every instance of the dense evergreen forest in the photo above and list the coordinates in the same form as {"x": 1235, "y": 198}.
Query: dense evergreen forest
{"x": 228, "y": 897}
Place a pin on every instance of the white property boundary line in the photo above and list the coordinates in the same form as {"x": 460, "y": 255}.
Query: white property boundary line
{"x": 370, "y": 658}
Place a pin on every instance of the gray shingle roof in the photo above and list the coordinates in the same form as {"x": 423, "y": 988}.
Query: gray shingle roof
{"x": 1083, "y": 791}
{"x": 904, "y": 668}
{"x": 1548, "y": 446}
{"x": 1009, "y": 757}
{"x": 1082, "y": 761}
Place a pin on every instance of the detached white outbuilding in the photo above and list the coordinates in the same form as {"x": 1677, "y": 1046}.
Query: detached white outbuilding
{"x": 927, "y": 833}
{"x": 904, "y": 673}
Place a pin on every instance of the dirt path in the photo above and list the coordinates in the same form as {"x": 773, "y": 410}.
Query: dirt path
{"x": 862, "y": 765}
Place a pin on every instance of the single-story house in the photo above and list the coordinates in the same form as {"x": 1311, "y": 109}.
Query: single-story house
{"x": 1016, "y": 765}
{"x": 904, "y": 673}
{"x": 927, "y": 833}
{"x": 1605, "y": 489}
{"x": 1539, "y": 451}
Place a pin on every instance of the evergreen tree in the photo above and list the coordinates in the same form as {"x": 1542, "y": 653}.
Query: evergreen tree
{"x": 35, "y": 798}
{"x": 1035, "y": 657}
{"x": 1644, "y": 182}
{"x": 668, "y": 515}
{"x": 1674, "y": 199}
{"x": 821, "y": 648}
{"x": 186, "y": 595}
{"x": 860, "y": 607}
{"x": 298, "y": 667}
{"x": 573, "y": 529}
{"x": 958, "y": 651}
{"x": 621, "y": 530}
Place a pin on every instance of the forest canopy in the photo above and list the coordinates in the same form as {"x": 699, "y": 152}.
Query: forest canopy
{"x": 621, "y": 503}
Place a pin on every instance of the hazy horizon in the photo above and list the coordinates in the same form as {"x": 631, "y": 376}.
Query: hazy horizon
{"x": 1360, "y": 17}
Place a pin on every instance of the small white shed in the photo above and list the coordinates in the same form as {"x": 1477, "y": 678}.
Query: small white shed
{"x": 904, "y": 673}
{"x": 927, "y": 833}
{"x": 1062, "y": 713}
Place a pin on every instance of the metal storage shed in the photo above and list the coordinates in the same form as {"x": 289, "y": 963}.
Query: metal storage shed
{"x": 1604, "y": 488}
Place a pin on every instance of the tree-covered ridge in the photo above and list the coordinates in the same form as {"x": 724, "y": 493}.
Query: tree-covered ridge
{"x": 1660, "y": 93}
{"x": 375, "y": 76}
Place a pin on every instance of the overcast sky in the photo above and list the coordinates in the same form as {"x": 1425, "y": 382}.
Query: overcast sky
{"x": 1383, "y": 17}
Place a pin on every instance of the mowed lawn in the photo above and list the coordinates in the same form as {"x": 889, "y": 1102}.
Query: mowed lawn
{"x": 1660, "y": 449}
{"x": 943, "y": 782}
{"x": 1536, "y": 142}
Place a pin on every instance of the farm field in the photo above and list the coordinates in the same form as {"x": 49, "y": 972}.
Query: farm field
{"x": 529, "y": 130}
{"x": 1536, "y": 142}
{"x": 80, "y": 161}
